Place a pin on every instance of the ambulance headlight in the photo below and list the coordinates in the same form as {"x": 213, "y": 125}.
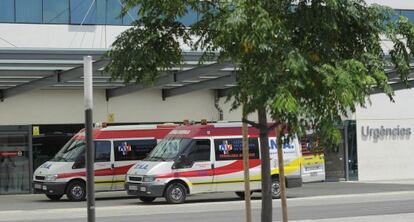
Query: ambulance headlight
{"x": 51, "y": 177}
{"x": 148, "y": 178}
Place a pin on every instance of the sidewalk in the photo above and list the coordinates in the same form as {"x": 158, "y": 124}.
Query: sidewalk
{"x": 402, "y": 182}
{"x": 408, "y": 217}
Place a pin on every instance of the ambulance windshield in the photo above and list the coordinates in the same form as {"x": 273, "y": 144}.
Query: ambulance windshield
{"x": 168, "y": 149}
{"x": 71, "y": 151}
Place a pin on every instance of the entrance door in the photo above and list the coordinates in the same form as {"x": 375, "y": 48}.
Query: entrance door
{"x": 14, "y": 160}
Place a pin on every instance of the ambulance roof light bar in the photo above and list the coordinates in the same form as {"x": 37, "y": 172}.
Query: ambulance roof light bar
{"x": 224, "y": 125}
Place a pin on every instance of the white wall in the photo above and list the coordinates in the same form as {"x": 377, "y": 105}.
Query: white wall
{"x": 66, "y": 106}
{"x": 397, "y": 4}
{"x": 58, "y": 36}
{"x": 388, "y": 157}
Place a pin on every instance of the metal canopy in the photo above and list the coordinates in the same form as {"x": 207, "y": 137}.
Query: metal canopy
{"x": 218, "y": 83}
{"x": 24, "y": 70}
{"x": 194, "y": 75}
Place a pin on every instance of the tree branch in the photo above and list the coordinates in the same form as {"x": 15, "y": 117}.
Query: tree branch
{"x": 256, "y": 125}
{"x": 274, "y": 125}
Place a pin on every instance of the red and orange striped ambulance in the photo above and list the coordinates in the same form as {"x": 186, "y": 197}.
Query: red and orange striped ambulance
{"x": 117, "y": 148}
{"x": 208, "y": 158}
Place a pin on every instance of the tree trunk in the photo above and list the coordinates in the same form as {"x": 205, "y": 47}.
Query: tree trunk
{"x": 265, "y": 167}
{"x": 246, "y": 168}
{"x": 282, "y": 181}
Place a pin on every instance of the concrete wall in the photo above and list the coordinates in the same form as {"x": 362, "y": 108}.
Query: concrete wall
{"x": 397, "y": 4}
{"x": 66, "y": 106}
{"x": 58, "y": 36}
{"x": 388, "y": 156}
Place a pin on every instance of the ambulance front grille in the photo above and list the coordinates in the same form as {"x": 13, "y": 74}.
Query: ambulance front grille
{"x": 39, "y": 177}
{"x": 138, "y": 179}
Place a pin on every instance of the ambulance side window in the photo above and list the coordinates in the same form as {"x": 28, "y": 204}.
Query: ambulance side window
{"x": 232, "y": 148}
{"x": 102, "y": 151}
{"x": 199, "y": 151}
{"x": 133, "y": 149}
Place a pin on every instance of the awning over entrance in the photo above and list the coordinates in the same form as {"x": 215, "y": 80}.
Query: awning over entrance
{"x": 24, "y": 70}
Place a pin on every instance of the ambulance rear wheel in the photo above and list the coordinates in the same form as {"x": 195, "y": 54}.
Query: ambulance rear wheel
{"x": 54, "y": 197}
{"x": 175, "y": 193}
{"x": 275, "y": 188}
{"x": 76, "y": 191}
{"x": 147, "y": 199}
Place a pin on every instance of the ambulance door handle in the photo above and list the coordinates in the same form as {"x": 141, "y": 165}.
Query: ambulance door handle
{"x": 212, "y": 166}
{"x": 112, "y": 165}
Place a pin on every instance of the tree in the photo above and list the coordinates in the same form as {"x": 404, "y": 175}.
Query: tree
{"x": 304, "y": 62}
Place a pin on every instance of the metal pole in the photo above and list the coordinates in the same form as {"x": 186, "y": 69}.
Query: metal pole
{"x": 346, "y": 149}
{"x": 90, "y": 151}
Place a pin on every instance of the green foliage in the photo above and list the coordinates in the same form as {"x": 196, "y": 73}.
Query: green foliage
{"x": 308, "y": 63}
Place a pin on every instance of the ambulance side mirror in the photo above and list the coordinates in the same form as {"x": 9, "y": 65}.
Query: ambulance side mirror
{"x": 79, "y": 163}
{"x": 182, "y": 162}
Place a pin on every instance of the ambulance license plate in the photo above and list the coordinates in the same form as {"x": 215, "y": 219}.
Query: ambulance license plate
{"x": 133, "y": 187}
{"x": 314, "y": 174}
{"x": 38, "y": 186}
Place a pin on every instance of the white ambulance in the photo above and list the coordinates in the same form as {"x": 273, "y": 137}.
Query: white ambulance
{"x": 117, "y": 148}
{"x": 208, "y": 158}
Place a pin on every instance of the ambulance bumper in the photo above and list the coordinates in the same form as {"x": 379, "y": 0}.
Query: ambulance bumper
{"x": 144, "y": 190}
{"x": 49, "y": 188}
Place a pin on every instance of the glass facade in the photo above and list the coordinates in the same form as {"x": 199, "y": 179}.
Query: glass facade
{"x": 56, "y": 11}
{"x": 407, "y": 13}
{"x": 6, "y": 11}
{"x": 28, "y": 11}
{"x": 87, "y": 12}
{"x": 14, "y": 160}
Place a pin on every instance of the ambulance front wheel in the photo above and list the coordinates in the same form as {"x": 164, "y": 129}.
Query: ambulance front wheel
{"x": 76, "y": 191}
{"x": 175, "y": 193}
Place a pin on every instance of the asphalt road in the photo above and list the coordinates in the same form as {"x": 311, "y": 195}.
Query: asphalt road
{"x": 316, "y": 201}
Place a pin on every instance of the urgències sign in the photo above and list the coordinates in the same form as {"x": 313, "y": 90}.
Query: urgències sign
{"x": 385, "y": 133}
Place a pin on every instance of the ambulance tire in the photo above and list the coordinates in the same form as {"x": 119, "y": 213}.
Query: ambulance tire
{"x": 54, "y": 197}
{"x": 241, "y": 195}
{"x": 146, "y": 199}
{"x": 76, "y": 191}
{"x": 175, "y": 193}
{"x": 275, "y": 188}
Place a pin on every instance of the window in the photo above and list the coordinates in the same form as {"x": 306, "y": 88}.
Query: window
{"x": 409, "y": 14}
{"x": 133, "y": 149}
{"x": 6, "y": 10}
{"x": 189, "y": 18}
{"x": 56, "y": 11}
{"x": 199, "y": 150}
{"x": 113, "y": 13}
{"x": 29, "y": 11}
{"x": 232, "y": 149}
{"x": 83, "y": 11}
{"x": 130, "y": 17}
{"x": 88, "y": 11}
{"x": 102, "y": 151}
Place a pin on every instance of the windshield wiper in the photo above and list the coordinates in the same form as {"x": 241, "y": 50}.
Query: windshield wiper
{"x": 157, "y": 158}
{"x": 60, "y": 158}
